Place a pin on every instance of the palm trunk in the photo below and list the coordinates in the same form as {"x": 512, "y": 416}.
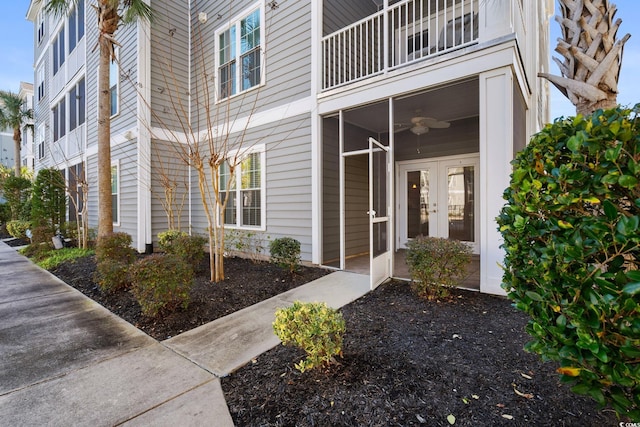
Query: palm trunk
{"x": 107, "y": 24}
{"x": 17, "y": 139}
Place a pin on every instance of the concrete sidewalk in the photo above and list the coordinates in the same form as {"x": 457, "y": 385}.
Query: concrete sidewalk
{"x": 65, "y": 360}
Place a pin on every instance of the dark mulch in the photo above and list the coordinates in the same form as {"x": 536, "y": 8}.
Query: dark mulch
{"x": 406, "y": 361}
{"x": 246, "y": 283}
{"x": 411, "y": 362}
{"x": 15, "y": 242}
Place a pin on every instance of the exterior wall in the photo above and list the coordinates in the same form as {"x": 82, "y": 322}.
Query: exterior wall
{"x": 169, "y": 61}
{"x": 167, "y": 167}
{"x": 338, "y": 14}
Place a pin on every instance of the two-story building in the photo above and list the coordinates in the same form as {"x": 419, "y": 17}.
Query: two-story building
{"x": 360, "y": 124}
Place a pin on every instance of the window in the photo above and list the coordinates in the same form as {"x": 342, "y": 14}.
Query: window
{"x": 40, "y": 25}
{"x": 40, "y": 141}
{"x": 115, "y": 193}
{"x": 239, "y": 55}
{"x": 59, "y": 120}
{"x": 114, "y": 84}
{"x": 76, "y": 105}
{"x": 246, "y": 195}
{"x": 40, "y": 82}
{"x": 75, "y": 25}
{"x": 58, "y": 51}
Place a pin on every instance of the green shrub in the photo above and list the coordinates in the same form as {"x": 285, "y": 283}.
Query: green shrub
{"x": 17, "y": 191}
{"x": 166, "y": 238}
{"x": 436, "y": 264}
{"x": 114, "y": 256}
{"x": 48, "y": 200}
{"x": 115, "y": 247}
{"x": 112, "y": 276}
{"x": 41, "y": 234}
{"x": 313, "y": 327}
{"x": 37, "y": 251}
{"x": 285, "y": 252}
{"x": 5, "y": 213}
{"x": 572, "y": 242}
{"x": 69, "y": 230}
{"x": 189, "y": 248}
{"x": 161, "y": 283}
{"x": 18, "y": 228}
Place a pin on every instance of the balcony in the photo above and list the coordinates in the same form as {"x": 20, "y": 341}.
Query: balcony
{"x": 401, "y": 33}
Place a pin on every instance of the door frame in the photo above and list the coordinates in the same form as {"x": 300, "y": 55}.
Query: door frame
{"x": 380, "y": 264}
{"x": 440, "y": 165}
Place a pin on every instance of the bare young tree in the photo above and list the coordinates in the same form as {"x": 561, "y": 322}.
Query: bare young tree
{"x": 592, "y": 55}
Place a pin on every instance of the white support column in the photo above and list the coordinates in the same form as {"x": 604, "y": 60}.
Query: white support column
{"x": 144, "y": 236}
{"x": 496, "y": 153}
{"x": 495, "y": 19}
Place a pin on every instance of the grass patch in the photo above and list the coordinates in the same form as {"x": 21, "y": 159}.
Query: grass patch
{"x": 57, "y": 256}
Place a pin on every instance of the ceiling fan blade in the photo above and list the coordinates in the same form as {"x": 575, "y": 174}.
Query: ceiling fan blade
{"x": 435, "y": 123}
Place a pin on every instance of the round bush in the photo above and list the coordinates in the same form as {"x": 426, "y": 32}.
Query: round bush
{"x": 18, "y": 228}
{"x": 572, "y": 243}
{"x": 161, "y": 283}
{"x": 115, "y": 247}
{"x": 285, "y": 252}
{"x": 313, "y": 327}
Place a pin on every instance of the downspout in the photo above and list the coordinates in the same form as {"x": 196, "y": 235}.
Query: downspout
{"x": 190, "y": 66}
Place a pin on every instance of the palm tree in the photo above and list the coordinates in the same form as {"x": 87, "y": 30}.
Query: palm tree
{"x": 13, "y": 115}
{"x": 592, "y": 56}
{"x": 111, "y": 14}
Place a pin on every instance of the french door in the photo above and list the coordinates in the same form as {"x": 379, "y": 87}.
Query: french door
{"x": 438, "y": 198}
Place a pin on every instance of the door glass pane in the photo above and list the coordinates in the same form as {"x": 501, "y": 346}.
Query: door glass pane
{"x": 460, "y": 187}
{"x": 417, "y": 203}
{"x": 380, "y": 183}
{"x": 380, "y": 238}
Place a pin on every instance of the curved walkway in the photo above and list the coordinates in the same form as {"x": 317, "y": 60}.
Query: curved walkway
{"x": 66, "y": 360}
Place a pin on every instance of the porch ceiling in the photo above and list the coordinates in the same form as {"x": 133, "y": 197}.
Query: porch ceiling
{"x": 448, "y": 103}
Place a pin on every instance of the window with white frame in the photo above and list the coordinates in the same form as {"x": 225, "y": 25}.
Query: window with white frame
{"x": 115, "y": 192}
{"x": 40, "y": 25}
{"x": 245, "y": 208}
{"x": 239, "y": 53}
{"x": 77, "y": 105}
{"x": 114, "y": 84}
{"x": 40, "y": 82}
{"x": 59, "y": 119}
{"x": 40, "y": 136}
{"x": 58, "y": 51}
{"x": 75, "y": 25}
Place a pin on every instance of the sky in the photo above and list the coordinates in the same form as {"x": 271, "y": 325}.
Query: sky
{"x": 16, "y": 49}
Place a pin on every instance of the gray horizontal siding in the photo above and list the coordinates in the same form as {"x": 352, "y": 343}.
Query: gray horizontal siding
{"x": 170, "y": 64}
{"x": 287, "y": 56}
{"x": 339, "y": 13}
{"x": 288, "y": 181}
{"x": 166, "y": 164}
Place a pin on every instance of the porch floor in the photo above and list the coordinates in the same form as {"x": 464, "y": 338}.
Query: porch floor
{"x": 360, "y": 264}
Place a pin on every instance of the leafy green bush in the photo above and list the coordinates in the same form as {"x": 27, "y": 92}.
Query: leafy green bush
{"x": 189, "y": 248}
{"x": 161, "y": 283}
{"x": 48, "y": 200}
{"x": 572, "y": 241}
{"x": 18, "y": 228}
{"x": 313, "y": 327}
{"x": 5, "y": 213}
{"x": 166, "y": 238}
{"x": 436, "y": 265}
{"x": 114, "y": 256}
{"x": 115, "y": 247}
{"x": 285, "y": 252}
{"x": 17, "y": 191}
{"x": 41, "y": 234}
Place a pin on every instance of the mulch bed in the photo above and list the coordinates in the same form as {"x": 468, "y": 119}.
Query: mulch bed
{"x": 405, "y": 361}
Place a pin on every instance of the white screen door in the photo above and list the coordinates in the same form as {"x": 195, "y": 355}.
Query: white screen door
{"x": 379, "y": 210}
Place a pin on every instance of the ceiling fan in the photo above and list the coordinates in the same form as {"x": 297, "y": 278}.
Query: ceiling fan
{"x": 420, "y": 125}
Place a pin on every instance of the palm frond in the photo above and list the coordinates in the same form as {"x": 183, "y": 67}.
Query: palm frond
{"x": 134, "y": 10}
{"x": 59, "y": 7}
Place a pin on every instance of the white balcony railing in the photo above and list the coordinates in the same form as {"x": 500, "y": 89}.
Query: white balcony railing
{"x": 403, "y": 33}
